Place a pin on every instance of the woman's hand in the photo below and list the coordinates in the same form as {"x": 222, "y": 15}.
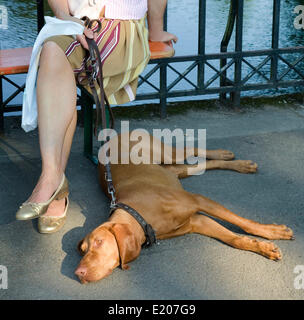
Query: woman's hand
{"x": 82, "y": 37}
{"x": 61, "y": 11}
{"x": 163, "y": 36}
{"x": 156, "y": 11}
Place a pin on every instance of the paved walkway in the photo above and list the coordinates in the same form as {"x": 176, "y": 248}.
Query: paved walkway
{"x": 188, "y": 267}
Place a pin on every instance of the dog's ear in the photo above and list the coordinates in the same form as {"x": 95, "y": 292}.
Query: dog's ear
{"x": 82, "y": 247}
{"x": 129, "y": 247}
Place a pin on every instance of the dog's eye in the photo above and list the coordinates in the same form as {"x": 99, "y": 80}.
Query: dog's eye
{"x": 98, "y": 242}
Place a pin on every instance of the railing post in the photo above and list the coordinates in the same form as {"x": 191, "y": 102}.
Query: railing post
{"x": 166, "y": 19}
{"x": 201, "y": 43}
{"x": 224, "y": 46}
{"x": 1, "y": 108}
{"x": 275, "y": 40}
{"x": 238, "y": 50}
{"x": 40, "y": 14}
{"x": 163, "y": 78}
{"x": 163, "y": 89}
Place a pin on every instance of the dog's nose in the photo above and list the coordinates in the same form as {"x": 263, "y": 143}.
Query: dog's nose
{"x": 81, "y": 271}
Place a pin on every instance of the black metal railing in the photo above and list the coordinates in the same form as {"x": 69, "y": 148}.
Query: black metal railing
{"x": 238, "y": 58}
{"x": 220, "y": 83}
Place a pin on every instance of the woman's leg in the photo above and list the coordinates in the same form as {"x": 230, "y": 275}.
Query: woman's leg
{"x": 56, "y": 98}
{"x": 57, "y": 207}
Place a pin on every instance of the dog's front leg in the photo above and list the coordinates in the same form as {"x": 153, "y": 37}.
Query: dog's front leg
{"x": 208, "y": 227}
{"x": 268, "y": 231}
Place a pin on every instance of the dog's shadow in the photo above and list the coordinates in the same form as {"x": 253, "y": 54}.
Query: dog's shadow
{"x": 72, "y": 258}
{"x": 71, "y": 238}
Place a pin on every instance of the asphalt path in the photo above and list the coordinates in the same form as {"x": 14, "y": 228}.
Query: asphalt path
{"x": 188, "y": 267}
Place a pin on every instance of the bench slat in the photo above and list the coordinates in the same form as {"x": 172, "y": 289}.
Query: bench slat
{"x": 14, "y": 61}
{"x": 160, "y": 50}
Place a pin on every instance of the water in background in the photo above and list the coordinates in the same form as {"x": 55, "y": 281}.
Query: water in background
{"x": 183, "y": 21}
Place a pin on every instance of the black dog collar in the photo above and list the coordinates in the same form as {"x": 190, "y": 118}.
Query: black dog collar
{"x": 148, "y": 230}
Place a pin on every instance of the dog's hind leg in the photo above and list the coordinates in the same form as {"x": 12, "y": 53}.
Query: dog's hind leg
{"x": 162, "y": 153}
{"x": 268, "y": 231}
{"x": 184, "y": 170}
{"x": 153, "y": 150}
{"x": 242, "y": 166}
{"x": 219, "y": 155}
{"x": 208, "y": 227}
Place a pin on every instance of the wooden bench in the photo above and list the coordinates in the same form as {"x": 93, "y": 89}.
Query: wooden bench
{"x": 12, "y": 61}
{"x": 16, "y": 61}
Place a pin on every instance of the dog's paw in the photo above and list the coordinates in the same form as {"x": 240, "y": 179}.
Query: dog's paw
{"x": 268, "y": 250}
{"x": 274, "y": 232}
{"x": 264, "y": 248}
{"x": 245, "y": 166}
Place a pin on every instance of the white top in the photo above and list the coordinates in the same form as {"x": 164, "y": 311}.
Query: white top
{"x": 114, "y": 9}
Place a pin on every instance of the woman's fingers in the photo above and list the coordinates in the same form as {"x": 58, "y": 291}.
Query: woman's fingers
{"x": 164, "y": 36}
{"x": 89, "y": 33}
{"x": 82, "y": 38}
{"x": 83, "y": 41}
{"x": 171, "y": 37}
{"x": 169, "y": 43}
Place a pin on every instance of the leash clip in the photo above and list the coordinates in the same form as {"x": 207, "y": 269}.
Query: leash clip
{"x": 111, "y": 190}
{"x": 113, "y": 199}
{"x": 94, "y": 69}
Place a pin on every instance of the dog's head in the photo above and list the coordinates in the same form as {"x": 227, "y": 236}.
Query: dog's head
{"x": 104, "y": 249}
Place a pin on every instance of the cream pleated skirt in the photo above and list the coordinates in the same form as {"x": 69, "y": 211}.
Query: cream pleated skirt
{"x": 124, "y": 52}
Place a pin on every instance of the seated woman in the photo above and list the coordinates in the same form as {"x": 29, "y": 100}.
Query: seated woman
{"x": 124, "y": 49}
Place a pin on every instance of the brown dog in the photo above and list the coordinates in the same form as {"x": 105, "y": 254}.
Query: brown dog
{"x": 157, "y": 194}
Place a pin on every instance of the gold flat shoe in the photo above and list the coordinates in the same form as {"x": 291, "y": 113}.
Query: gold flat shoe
{"x": 48, "y": 224}
{"x": 32, "y": 210}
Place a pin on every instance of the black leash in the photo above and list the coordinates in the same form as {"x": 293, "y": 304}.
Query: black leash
{"x": 95, "y": 75}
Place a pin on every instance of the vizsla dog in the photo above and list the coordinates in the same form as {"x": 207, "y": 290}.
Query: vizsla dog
{"x": 154, "y": 190}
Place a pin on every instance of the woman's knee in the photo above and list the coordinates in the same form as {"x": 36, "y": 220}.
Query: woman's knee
{"x": 50, "y": 48}
{"x": 53, "y": 55}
